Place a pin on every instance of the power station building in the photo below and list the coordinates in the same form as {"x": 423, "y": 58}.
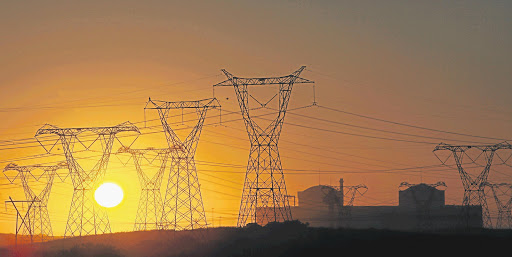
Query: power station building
{"x": 421, "y": 207}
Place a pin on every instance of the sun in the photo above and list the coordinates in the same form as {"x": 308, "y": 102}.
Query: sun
{"x": 108, "y": 195}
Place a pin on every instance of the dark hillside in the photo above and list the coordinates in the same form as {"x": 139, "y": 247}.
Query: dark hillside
{"x": 279, "y": 239}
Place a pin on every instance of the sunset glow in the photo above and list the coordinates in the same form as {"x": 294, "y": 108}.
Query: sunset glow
{"x": 392, "y": 80}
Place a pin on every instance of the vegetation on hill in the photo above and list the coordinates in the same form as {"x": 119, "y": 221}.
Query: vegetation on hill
{"x": 274, "y": 239}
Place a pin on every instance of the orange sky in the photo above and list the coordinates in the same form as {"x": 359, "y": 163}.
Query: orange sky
{"x": 441, "y": 65}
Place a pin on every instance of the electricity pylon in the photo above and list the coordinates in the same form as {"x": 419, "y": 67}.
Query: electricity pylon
{"x": 263, "y": 198}
{"x": 183, "y": 204}
{"x": 473, "y": 186}
{"x": 423, "y": 205}
{"x": 35, "y": 223}
{"x": 350, "y": 193}
{"x": 334, "y": 203}
{"x": 24, "y": 229}
{"x": 503, "y": 197}
{"x": 85, "y": 217}
{"x": 149, "y": 211}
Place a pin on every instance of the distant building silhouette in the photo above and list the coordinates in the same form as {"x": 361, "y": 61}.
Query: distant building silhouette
{"x": 421, "y": 207}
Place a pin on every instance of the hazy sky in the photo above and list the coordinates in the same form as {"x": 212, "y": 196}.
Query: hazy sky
{"x": 444, "y": 65}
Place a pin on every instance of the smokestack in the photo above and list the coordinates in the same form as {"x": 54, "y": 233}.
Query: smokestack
{"x": 341, "y": 192}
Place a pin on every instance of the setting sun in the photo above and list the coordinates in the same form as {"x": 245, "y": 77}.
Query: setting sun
{"x": 108, "y": 195}
{"x": 261, "y": 128}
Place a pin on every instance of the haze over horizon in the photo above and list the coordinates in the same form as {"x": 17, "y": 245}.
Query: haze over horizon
{"x": 434, "y": 65}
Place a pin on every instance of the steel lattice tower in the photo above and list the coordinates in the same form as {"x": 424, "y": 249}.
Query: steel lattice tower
{"x": 85, "y": 217}
{"x": 149, "y": 211}
{"x": 35, "y": 224}
{"x": 423, "y": 206}
{"x": 263, "y": 198}
{"x": 183, "y": 204}
{"x": 333, "y": 199}
{"x": 503, "y": 197}
{"x": 351, "y": 192}
{"x": 473, "y": 186}
{"x": 24, "y": 229}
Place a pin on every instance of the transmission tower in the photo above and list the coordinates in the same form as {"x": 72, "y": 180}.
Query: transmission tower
{"x": 24, "y": 230}
{"x": 500, "y": 192}
{"x": 350, "y": 193}
{"x": 473, "y": 186}
{"x": 183, "y": 204}
{"x": 149, "y": 211}
{"x": 263, "y": 198}
{"x": 35, "y": 224}
{"x": 332, "y": 198}
{"x": 85, "y": 217}
{"x": 423, "y": 205}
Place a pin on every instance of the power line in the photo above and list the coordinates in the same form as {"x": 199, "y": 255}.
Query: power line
{"x": 145, "y": 88}
{"x": 380, "y": 130}
{"x": 408, "y": 125}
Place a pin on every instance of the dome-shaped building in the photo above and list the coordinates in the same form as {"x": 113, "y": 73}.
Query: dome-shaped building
{"x": 421, "y": 207}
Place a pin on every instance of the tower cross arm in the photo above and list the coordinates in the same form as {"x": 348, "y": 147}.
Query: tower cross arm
{"x": 29, "y": 168}
{"x": 51, "y": 129}
{"x": 443, "y": 146}
{"x": 408, "y": 185}
{"x": 204, "y": 103}
{"x": 359, "y": 187}
{"x": 288, "y": 79}
{"x": 490, "y": 147}
{"x": 126, "y": 149}
{"x": 503, "y": 145}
